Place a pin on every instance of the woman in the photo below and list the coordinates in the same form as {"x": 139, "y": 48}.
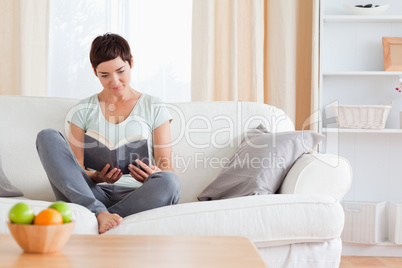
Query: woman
{"x": 117, "y": 112}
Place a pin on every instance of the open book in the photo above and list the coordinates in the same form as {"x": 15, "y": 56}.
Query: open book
{"x": 99, "y": 151}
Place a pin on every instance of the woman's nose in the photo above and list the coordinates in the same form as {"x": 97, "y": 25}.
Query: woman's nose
{"x": 114, "y": 79}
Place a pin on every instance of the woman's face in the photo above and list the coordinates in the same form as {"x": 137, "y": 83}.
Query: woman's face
{"x": 114, "y": 75}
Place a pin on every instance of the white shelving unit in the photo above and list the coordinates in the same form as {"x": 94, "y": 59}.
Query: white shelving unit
{"x": 352, "y": 130}
{"x": 361, "y": 73}
{"x": 352, "y": 73}
{"x": 354, "y": 18}
{"x": 352, "y": 69}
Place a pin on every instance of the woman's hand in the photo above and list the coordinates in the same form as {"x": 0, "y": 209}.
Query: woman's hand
{"x": 109, "y": 177}
{"x": 142, "y": 174}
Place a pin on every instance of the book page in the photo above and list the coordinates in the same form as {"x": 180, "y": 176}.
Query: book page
{"x": 102, "y": 139}
{"x": 128, "y": 140}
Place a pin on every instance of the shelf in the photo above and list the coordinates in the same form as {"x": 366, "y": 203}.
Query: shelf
{"x": 351, "y": 18}
{"x": 362, "y": 73}
{"x": 353, "y": 130}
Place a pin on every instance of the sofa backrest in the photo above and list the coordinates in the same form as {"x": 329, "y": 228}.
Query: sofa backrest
{"x": 204, "y": 136}
{"x": 21, "y": 119}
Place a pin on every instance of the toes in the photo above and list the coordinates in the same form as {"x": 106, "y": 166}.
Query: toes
{"x": 101, "y": 230}
{"x": 108, "y": 221}
{"x": 106, "y": 227}
{"x": 113, "y": 224}
{"x": 117, "y": 219}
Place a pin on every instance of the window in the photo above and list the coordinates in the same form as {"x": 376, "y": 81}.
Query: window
{"x": 159, "y": 34}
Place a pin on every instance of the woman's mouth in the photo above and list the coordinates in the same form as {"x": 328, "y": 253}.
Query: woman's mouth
{"x": 117, "y": 88}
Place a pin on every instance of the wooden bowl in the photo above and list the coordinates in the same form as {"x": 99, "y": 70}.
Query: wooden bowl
{"x": 41, "y": 238}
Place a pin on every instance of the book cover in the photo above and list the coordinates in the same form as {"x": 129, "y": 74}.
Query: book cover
{"x": 99, "y": 151}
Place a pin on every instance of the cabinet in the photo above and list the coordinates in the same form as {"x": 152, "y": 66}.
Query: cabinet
{"x": 352, "y": 68}
{"x": 352, "y": 73}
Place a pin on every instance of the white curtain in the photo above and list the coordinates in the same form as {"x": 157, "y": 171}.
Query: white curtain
{"x": 23, "y": 47}
{"x": 158, "y": 31}
{"x": 73, "y": 24}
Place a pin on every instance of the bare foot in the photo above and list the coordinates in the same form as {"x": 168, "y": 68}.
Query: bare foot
{"x": 107, "y": 221}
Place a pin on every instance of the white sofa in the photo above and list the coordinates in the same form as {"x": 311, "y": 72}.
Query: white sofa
{"x": 300, "y": 227}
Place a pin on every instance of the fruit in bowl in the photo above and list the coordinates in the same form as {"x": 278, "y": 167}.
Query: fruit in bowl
{"x": 21, "y": 213}
{"x": 48, "y": 216}
{"x": 64, "y": 210}
{"x": 46, "y": 233}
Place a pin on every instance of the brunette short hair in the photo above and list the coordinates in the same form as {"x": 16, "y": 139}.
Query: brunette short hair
{"x": 108, "y": 47}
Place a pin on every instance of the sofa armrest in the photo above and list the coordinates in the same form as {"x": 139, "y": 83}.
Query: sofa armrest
{"x": 318, "y": 174}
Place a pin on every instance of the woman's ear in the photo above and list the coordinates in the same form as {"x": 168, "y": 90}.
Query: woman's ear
{"x": 132, "y": 62}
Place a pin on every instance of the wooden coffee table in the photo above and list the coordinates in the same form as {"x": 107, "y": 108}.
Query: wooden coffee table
{"x": 137, "y": 251}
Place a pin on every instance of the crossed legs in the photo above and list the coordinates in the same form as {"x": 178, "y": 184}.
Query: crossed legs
{"x": 71, "y": 183}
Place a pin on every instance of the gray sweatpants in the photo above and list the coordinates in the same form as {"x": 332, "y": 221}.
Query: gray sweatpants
{"x": 71, "y": 183}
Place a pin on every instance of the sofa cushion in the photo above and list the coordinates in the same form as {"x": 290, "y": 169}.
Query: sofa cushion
{"x": 18, "y": 135}
{"x": 264, "y": 219}
{"x": 86, "y": 222}
{"x": 6, "y": 188}
{"x": 206, "y": 134}
{"x": 260, "y": 163}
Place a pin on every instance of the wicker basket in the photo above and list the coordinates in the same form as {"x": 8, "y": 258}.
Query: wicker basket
{"x": 361, "y": 116}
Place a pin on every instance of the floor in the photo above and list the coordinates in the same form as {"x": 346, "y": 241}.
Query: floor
{"x": 370, "y": 262}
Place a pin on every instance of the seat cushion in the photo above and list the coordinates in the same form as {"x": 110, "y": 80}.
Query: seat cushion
{"x": 86, "y": 222}
{"x": 267, "y": 220}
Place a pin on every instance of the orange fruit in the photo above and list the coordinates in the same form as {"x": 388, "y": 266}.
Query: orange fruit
{"x": 48, "y": 216}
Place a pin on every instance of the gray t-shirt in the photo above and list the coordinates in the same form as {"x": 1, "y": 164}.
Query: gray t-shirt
{"x": 148, "y": 114}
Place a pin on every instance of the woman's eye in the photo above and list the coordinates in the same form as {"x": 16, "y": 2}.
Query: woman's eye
{"x": 104, "y": 76}
{"x": 122, "y": 71}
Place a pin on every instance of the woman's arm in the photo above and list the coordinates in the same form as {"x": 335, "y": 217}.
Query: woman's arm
{"x": 163, "y": 147}
{"x": 76, "y": 141}
{"x": 162, "y": 154}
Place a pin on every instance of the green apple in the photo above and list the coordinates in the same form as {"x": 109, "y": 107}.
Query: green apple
{"x": 21, "y": 213}
{"x": 64, "y": 210}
